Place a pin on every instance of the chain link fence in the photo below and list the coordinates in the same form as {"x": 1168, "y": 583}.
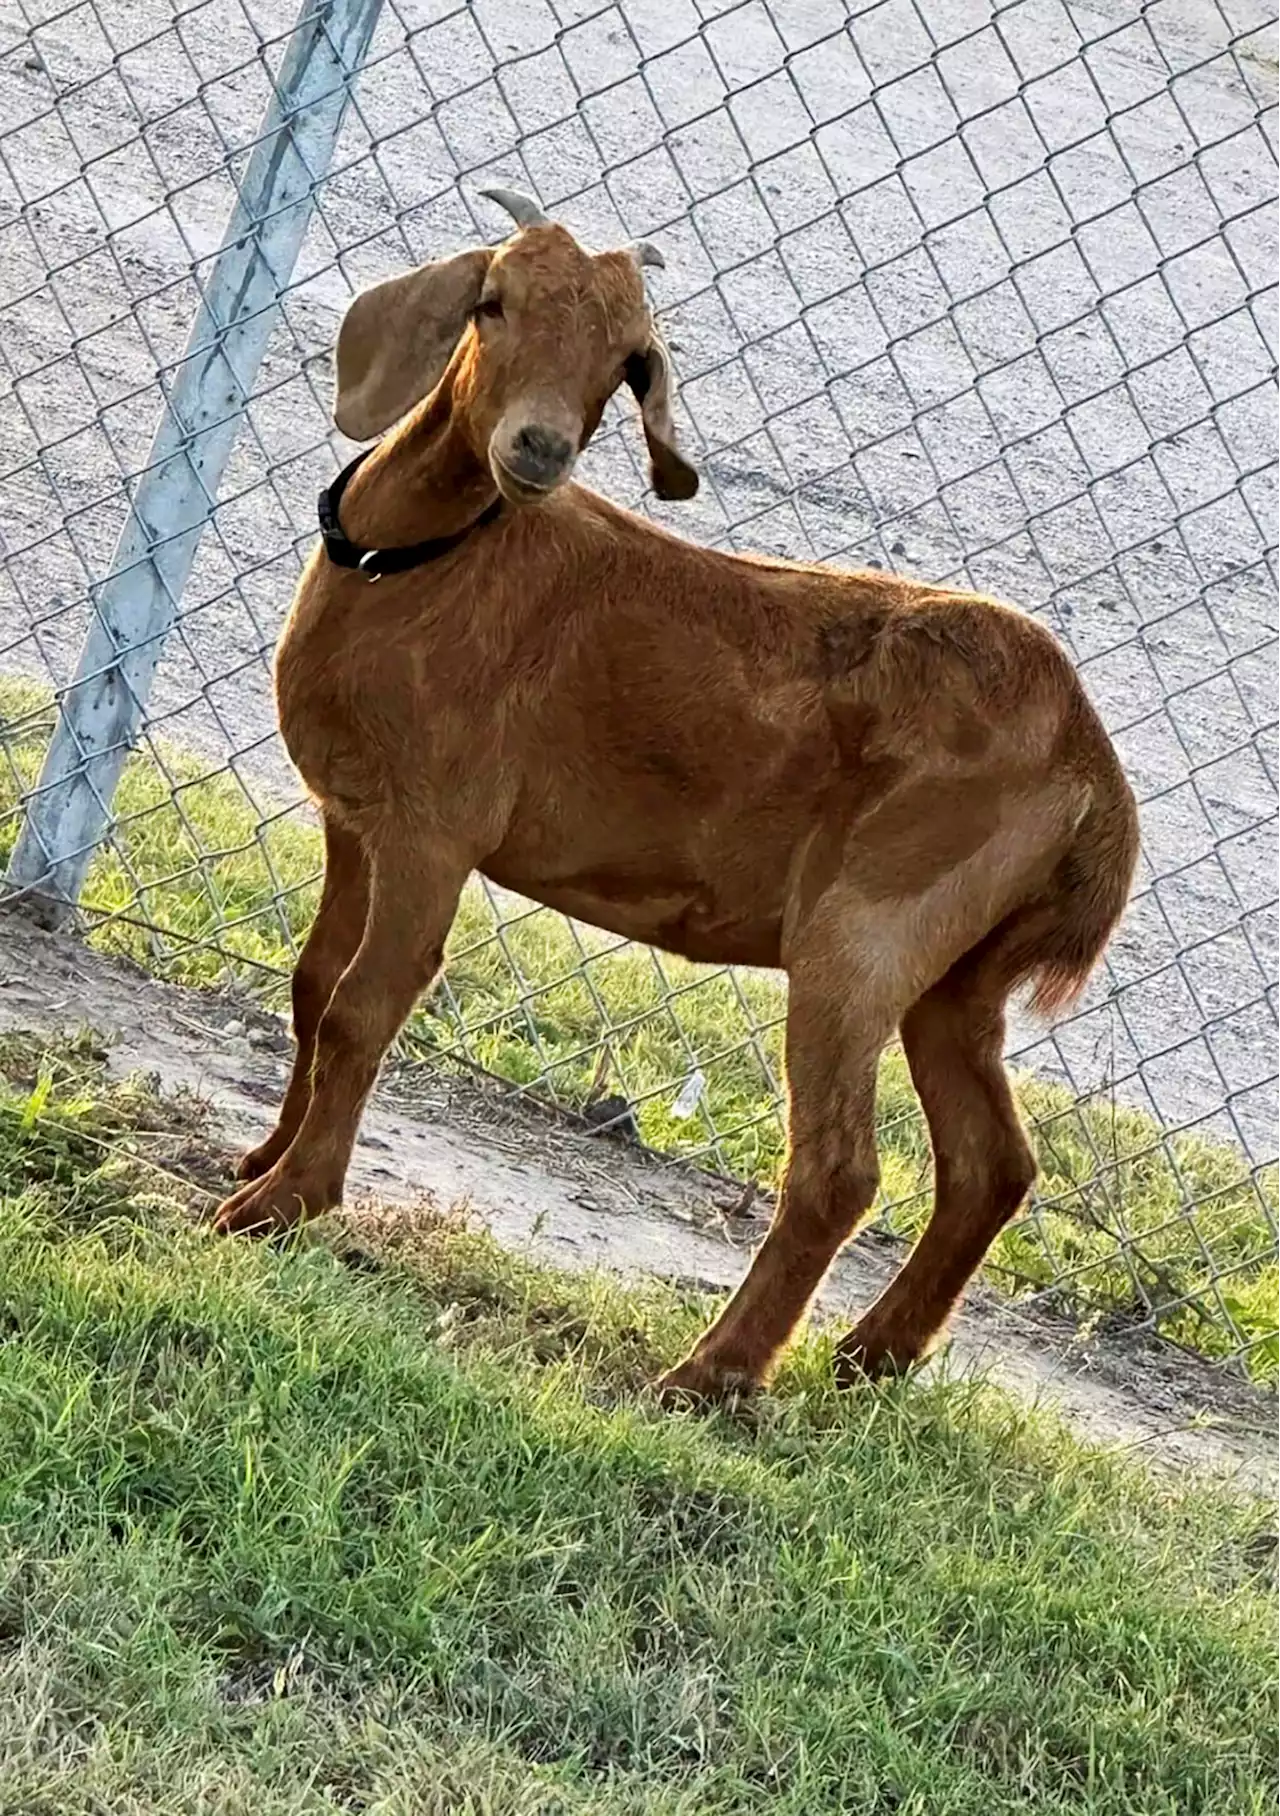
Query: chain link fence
{"x": 983, "y": 292}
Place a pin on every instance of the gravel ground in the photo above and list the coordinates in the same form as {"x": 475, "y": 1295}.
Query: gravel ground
{"x": 965, "y": 289}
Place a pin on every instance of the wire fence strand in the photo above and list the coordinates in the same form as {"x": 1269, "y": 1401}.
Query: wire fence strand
{"x": 982, "y": 292}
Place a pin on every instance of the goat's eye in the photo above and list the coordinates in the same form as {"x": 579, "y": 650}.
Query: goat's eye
{"x": 488, "y": 308}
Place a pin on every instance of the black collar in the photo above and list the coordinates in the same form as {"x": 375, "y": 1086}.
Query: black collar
{"x": 374, "y": 563}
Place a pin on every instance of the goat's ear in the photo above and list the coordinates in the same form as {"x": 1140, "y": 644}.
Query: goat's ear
{"x": 649, "y": 376}
{"x": 396, "y": 340}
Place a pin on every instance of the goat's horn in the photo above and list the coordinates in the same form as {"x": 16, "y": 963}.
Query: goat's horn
{"x": 524, "y": 213}
{"x": 645, "y": 253}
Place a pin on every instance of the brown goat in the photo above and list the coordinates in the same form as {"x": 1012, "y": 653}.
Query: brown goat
{"x": 896, "y": 792}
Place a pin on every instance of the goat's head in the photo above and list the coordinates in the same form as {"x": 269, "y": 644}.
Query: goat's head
{"x": 534, "y": 336}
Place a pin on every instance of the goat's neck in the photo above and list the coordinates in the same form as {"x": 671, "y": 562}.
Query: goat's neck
{"x": 424, "y": 480}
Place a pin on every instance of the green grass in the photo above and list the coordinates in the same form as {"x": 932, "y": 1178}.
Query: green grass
{"x": 385, "y": 1523}
{"x": 1126, "y": 1221}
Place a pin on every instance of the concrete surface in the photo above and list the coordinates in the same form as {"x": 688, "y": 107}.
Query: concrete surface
{"x": 951, "y": 291}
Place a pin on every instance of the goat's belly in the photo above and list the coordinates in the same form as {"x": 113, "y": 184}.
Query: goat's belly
{"x": 689, "y": 922}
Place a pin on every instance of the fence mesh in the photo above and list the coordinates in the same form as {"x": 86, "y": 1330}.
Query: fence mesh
{"x": 982, "y": 292}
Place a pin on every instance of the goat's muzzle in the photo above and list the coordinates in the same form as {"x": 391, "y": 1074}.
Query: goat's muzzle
{"x": 530, "y": 460}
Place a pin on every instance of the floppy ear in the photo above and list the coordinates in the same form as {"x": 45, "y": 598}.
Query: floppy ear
{"x": 649, "y": 376}
{"x": 396, "y": 340}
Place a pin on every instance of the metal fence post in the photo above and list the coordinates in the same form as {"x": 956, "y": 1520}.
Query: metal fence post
{"x": 135, "y": 606}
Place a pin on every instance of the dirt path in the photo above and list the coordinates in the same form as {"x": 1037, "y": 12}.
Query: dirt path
{"x": 582, "y": 1201}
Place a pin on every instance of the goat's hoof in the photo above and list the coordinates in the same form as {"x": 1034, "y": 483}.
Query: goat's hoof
{"x": 270, "y": 1205}
{"x": 867, "y": 1354}
{"x": 695, "y": 1383}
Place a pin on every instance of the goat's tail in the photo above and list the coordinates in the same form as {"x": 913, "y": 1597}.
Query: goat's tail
{"x": 1057, "y": 938}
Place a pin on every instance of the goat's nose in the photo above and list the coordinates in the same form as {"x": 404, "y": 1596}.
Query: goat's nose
{"x": 539, "y": 454}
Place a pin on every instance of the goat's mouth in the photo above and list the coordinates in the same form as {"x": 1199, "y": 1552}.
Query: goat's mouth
{"x": 529, "y": 459}
{"x": 518, "y": 490}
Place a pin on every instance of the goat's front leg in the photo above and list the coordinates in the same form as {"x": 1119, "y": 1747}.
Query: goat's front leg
{"x": 836, "y": 1028}
{"x": 330, "y": 947}
{"x": 414, "y": 892}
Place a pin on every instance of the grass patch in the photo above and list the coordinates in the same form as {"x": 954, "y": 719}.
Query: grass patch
{"x": 394, "y": 1531}
{"x": 1128, "y": 1223}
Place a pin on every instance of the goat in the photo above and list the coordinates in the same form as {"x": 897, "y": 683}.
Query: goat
{"x": 896, "y": 792}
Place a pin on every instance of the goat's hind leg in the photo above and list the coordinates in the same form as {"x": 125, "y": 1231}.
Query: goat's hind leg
{"x": 841, "y": 1014}
{"x": 329, "y": 948}
{"x": 983, "y": 1163}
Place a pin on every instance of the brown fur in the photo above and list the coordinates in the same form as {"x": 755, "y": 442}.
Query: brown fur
{"x": 897, "y": 793}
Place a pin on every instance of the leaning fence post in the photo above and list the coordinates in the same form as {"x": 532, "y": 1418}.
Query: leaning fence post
{"x": 135, "y": 606}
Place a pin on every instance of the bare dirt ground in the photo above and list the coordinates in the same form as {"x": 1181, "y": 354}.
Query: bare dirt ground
{"x": 578, "y": 1200}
